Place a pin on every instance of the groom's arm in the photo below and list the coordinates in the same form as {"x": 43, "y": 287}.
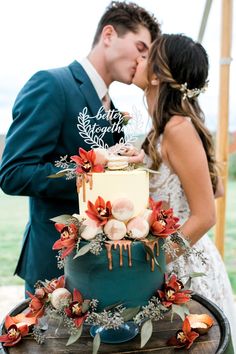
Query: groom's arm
{"x": 38, "y": 115}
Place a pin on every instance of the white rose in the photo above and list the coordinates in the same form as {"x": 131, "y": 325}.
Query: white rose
{"x": 115, "y": 229}
{"x": 138, "y": 228}
{"x": 59, "y": 297}
{"x": 90, "y": 229}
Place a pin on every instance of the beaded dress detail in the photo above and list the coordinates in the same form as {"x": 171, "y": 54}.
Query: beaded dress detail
{"x": 215, "y": 284}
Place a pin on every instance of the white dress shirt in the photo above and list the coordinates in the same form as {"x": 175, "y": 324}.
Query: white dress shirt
{"x": 96, "y": 79}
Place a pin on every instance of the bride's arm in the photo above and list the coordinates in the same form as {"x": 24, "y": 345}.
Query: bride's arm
{"x": 183, "y": 150}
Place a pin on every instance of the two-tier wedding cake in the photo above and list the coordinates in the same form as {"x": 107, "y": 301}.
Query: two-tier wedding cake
{"x": 123, "y": 272}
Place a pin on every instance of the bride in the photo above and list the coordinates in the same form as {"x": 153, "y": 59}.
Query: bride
{"x": 180, "y": 147}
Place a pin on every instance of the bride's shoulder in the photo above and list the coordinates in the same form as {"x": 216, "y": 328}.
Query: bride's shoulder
{"x": 176, "y": 121}
{"x": 179, "y": 125}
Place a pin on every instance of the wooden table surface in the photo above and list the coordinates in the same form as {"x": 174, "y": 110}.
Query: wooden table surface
{"x": 216, "y": 341}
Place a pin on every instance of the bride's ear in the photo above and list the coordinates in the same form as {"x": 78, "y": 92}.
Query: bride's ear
{"x": 154, "y": 81}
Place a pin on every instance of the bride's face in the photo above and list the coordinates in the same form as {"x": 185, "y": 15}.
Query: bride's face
{"x": 140, "y": 78}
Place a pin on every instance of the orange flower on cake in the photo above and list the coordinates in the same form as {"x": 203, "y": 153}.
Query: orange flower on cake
{"x": 68, "y": 240}
{"x": 86, "y": 162}
{"x": 15, "y": 331}
{"x": 162, "y": 221}
{"x": 184, "y": 337}
{"x": 78, "y": 308}
{"x": 173, "y": 293}
{"x": 100, "y": 212}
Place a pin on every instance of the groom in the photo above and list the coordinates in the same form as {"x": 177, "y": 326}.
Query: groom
{"x": 44, "y": 128}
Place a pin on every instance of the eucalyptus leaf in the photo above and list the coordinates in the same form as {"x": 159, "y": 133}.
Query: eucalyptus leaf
{"x": 151, "y": 253}
{"x": 61, "y": 219}
{"x": 146, "y": 332}
{"x": 187, "y": 285}
{"x": 83, "y": 250}
{"x": 151, "y": 237}
{"x": 74, "y": 337}
{"x": 186, "y": 309}
{"x": 148, "y": 170}
{"x": 179, "y": 310}
{"x": 85, "y": 305}
{"x": 59, "y": 325}
{"x": 58, "y": 175}
{"x": 96, "y": 343}
{"x": 113, "y": 306}
{"x": 43, "y": 323}
{"x": 129, "y": 313}
{"x": 197, "y": 274}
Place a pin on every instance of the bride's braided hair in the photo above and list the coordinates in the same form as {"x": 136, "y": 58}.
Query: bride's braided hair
{"x": 176, "y": 60}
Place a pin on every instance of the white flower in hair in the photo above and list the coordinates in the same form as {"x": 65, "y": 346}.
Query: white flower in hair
{"x": 193, "y": 92}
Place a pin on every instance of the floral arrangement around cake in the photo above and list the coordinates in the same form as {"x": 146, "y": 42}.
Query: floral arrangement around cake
{"x": 109, "y": 225}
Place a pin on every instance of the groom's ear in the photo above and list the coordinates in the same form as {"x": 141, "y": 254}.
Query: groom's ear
{"x": 107, "y": 33}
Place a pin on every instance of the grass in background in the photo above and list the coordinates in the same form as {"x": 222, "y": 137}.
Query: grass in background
{"x": 230, "y": 233}
{"x": 13, "y": 217}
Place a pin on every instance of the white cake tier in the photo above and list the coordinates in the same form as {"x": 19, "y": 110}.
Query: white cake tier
{"x": 112, "y": 185}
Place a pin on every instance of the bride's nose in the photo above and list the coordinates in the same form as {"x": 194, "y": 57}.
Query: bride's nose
{"x": 141, "y": 58}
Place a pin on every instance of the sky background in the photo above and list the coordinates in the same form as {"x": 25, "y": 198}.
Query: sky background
{"x": 44, "y": 34}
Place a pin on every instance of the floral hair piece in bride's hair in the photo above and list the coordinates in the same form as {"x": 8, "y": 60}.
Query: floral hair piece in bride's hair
{"x": 193, "y": 92}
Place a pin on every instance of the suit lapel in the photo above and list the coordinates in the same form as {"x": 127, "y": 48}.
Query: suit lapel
{"x": 94, "y": 104}
{"x": 86, "y": 87}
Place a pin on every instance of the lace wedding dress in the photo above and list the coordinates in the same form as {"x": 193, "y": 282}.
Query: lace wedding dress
{"x": 215, "y": 285}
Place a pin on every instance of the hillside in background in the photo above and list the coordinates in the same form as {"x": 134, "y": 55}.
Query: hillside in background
{"x": 2, "y": 141}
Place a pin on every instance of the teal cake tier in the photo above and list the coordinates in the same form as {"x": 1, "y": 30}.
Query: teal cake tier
{"x": 130, "y": 285}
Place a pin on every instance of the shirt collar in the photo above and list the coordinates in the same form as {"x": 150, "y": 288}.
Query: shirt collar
{"x": 95, "y": 78}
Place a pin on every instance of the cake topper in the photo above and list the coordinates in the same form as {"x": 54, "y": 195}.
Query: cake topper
{"x": 93, "y": 133}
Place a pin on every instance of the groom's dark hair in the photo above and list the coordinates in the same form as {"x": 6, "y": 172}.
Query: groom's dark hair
{"x": 127, "y": 17}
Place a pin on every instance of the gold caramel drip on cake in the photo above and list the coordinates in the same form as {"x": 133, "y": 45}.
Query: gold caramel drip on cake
{"x": 151, "y": 244}
{"x": 122, "y": 244}
{"x": 81, "y": 183}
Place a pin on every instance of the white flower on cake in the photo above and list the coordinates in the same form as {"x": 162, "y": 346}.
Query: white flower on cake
{"x": 60, "y": 296}
{"x": 122, "y": 209}
{"x": 138, "y": 228}
{"x": 102, "y": 156}
{"x": 90, "y": 229}
{"x": 146, "y": 215}
{"x": 115, "y": 229}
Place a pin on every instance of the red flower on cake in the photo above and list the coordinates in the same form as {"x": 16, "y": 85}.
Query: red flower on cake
{"x": 184, "y": 337}
{"x": 173, "y": 293}
{"x": 37, "y": 307}
{"x": 162, "y": 221}
{"x": 40, "y": 298}
{"x": 51, "y": 285}
{"x": 78, "y": 308}
{"x": 14, "y": 332}
{"x": 69, "y": 237}
{"x": 155, "y": 205}
{"x": 100, "y": 211}
{"x": 85, "y": 162}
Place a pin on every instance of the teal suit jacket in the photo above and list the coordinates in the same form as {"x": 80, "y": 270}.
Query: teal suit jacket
{"x": 45, "y": 117}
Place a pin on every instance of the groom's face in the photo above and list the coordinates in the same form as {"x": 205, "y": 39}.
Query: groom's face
{"x": 123, "y": 53}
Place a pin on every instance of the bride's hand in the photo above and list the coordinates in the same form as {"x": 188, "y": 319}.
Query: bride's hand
{"x": 129, "y": 150}
{"x": 138, "y": 158}
{"x": 133, "y": 154}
